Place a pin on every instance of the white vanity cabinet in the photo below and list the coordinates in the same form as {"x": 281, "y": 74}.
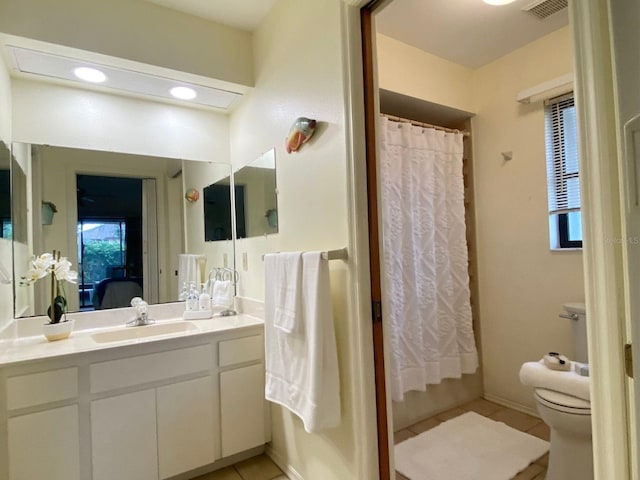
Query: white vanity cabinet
{"x": 242, "y": 405}
{"x": 45, "y": 445}
{"x": 123, "y": 437}
{"x": 51, "y": 435}
{"x": 147, "y": 412}
{"x": 186, "y": 426}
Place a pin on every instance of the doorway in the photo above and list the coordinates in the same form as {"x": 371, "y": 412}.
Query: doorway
{"x": 502, "y": 214}
{"x": 115, "y": 231}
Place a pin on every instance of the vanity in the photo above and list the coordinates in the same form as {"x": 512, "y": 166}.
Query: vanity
{"x": 128, "y": 403}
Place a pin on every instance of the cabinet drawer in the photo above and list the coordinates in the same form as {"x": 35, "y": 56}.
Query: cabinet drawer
{"x": 127, "y": 372}
{"x": 247, "y": 349}
{"x": 40, "y": 388}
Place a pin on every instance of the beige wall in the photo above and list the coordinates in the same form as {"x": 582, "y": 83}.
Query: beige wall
{"x": 299, "y": 72}
{"x": 49, "y": 114}
{"x": 450, "y": 85}
{"x": 138, "y": 31}
{"x": 523, "y": 284}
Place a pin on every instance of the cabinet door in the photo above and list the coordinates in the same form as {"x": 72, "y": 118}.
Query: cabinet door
{"x": 123, "y": 434}
{"x": 45, "y": 445}
{"x": 242, "y": 409}
{"x": 186, "y": 426}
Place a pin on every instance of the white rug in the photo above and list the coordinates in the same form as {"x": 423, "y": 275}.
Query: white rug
{"x": 468, "y": 447}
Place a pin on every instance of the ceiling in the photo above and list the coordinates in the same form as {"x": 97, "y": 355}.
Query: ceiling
{"x": 242, "y": 14}
{"x": 467, "y": 32}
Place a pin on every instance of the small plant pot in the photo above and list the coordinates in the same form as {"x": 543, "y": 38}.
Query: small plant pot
{"x": 57, "y": 331}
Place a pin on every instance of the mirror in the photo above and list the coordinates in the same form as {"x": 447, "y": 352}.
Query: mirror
{"x": 5, "y": 195}
{"x": 217, "y": 211}
{"x": 256, "y": 203}
{"x": 121, "y": 219}
{"x": 6, "y": 290}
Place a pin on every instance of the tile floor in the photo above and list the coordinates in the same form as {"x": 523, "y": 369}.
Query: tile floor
{"x": 256, "y": 468}
{"x": 513, "y": 418}
{"x": 262, "y": 468}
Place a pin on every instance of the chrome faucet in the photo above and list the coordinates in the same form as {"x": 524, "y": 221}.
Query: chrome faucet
{"x": 141, "y": 309}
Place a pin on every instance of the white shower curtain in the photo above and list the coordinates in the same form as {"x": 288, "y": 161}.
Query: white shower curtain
{"x": 425, "y": 282}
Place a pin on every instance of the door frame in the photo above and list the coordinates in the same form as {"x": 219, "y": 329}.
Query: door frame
{"x": 385, "y": 439}
{"x": 602, "y": 186}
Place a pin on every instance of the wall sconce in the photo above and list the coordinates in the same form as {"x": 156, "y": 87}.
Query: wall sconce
{"x": 192, "y": 195}
{"x": 48, "y": 209}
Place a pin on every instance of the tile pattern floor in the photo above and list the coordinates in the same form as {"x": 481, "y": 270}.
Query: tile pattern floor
{"x": 262, "y": 468}
{"x": 256, "y": 468}
{"x": 518, "y": 420}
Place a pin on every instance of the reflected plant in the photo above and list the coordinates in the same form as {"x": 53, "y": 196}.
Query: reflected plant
{"x": 59, "y": 268}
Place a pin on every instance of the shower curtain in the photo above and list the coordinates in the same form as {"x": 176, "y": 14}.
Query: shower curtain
{"x": 425, "y": 280}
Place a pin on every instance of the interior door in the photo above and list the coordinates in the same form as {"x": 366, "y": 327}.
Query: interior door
{"x": 625, "y": 20}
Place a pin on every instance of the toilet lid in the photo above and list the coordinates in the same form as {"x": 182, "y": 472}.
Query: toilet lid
{"x": 563, "y": 402}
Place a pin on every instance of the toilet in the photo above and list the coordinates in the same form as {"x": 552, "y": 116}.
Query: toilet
{"x": 562, "y": 399}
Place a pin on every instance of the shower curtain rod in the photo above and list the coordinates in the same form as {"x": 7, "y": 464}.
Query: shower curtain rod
{"x": 426, "y": 125}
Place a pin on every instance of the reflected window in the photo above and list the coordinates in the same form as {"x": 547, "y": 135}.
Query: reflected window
{"x": 102, "y": 252}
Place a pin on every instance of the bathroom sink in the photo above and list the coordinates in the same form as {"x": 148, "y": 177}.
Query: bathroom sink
{"x": 153, "y": 330}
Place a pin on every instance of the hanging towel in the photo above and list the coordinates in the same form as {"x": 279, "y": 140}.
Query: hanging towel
{"x": 285, "y": 272}
{"x": 222, "y": 294}
{"x": 302, "y": 369}
{"x": 537, "y": 375}
{"x": 187, "y": 269}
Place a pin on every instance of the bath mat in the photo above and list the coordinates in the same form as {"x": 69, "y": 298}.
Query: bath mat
{"x": 468, "y": 447}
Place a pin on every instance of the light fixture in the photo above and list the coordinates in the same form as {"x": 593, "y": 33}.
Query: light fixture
{"x": 88, "y": 74}
{"x": 183, "y": 93}
{"x": 498, "y": 2}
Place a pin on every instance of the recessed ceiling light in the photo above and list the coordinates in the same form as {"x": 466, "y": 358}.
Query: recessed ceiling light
{"x": 89, "y": 74}
{"x": 183, "y": 93}
{"x": 498, "y": 2}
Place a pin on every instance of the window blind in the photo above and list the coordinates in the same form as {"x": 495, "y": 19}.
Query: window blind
{"x": 562, "y": 155}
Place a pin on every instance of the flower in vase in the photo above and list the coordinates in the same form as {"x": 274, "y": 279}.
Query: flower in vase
{"x": 59, "y": 268}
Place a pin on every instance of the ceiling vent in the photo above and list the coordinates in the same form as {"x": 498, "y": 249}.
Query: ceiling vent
{"x": 542, "y": 9}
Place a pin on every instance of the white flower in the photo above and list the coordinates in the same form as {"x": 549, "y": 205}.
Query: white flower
{"x": 44, "y": 264}
{"x": 62, "y": 270}
{"x": 40, "y": 267}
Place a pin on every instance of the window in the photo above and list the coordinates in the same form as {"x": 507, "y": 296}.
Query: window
{"x": 102, "y": 253}
{"x": 563, "y": 176}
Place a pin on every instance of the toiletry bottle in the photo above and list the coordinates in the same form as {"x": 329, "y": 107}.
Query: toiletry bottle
{"x": 204, "y": 301}
{"x": 192, "y": 298}
{"x": 184, "y": 292}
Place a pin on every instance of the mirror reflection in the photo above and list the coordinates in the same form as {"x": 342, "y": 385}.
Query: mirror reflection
{"x": 217, "y": 210}
{"x": 121, "y": 219}
{"x": 256, "y": 197}
{"x": 5, "y": 194}
{"x": 6, "y": 292}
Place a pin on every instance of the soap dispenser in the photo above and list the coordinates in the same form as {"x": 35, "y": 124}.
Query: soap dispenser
{"x": 204, "y": 302}
{"x": 192, "y": 298}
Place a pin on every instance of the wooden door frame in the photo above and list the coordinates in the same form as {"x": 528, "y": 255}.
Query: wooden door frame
{"x": 370, "y": 93}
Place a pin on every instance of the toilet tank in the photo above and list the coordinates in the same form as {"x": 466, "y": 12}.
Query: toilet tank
{"x": 579, "y": 330}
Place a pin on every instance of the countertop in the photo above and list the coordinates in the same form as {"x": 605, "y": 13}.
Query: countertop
{"x": 36, "y": 347}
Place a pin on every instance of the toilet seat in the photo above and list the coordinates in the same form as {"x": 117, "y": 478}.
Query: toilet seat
{"x": 562, "y": 402}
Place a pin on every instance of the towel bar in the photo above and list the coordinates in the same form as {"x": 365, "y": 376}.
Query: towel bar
{"x": 339, "y": 254}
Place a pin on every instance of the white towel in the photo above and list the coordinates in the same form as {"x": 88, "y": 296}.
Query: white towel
{"x": 537, "y": 375}
{"x": 222, "y": 294}
{"x": 302, "y": 370}
{"x": 187, "y": 270}
{"x": 284, "y": 271}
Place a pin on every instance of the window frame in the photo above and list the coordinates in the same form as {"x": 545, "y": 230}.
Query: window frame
{"x": 557, "y": 162}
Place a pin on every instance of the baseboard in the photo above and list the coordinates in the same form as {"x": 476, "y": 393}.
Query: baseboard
{"x": 508, "y": 403}
{"x": 288, "y": 470}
